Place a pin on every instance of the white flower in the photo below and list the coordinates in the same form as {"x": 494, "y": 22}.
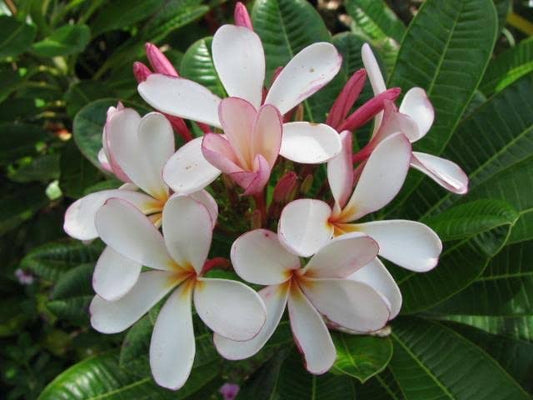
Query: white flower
{"x": 319, "y": 289}
{"x": 229, "y": 308}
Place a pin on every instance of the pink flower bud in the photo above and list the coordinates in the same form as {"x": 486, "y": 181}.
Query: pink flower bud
{"x": 346, "y": 99}
{"x": 242, "y": 18}
{"x": 285, "y": 187}
{"x": 159, "y": 62}
{"x": 140, "y": 71}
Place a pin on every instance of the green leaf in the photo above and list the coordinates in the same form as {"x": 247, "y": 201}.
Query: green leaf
{"x": 16, "y": 36}
{"x": 381, "y": 387}
{"x": 375, "y": 19}
{"x": 433, "y": 361}
{"x": 74, "y": 282}
{"x": 9, "y": 82}
{"x": 361, "y": 356}
{"x": 503, "y": 8}
{"x": 19, "y": 140}
{"x": 77, "y": 173}
{"x": 261, "y": 385}
{"x": 53, "y": 259}
{"x": 474, "y": 232}
{"x": 75, "y": 309}
{"x": 19, "y": 204}
{"x": 41, "y": 169}
{"x": 519, "y": 327}
{"x": 64, "y": 41}
{"x": 82, "y": 93}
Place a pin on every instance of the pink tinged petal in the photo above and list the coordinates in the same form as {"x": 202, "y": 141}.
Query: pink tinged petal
{"x": 140, "y": 71}
{"x": 445, "y": 172}
{"x": 409, "y": 244}
{"x": 375, "y": 275}
{"x": 218, "y": 151}
{"x": 342, "y": 256}
{"x": 381, "y": 178}
{"x": 104, "y": 162}
{"x": 230, "y": 308}
{"x": 375, "y": 76}
{"x": 310, "y": 333}
{"x": 352, "y": 305}
{"x": 79, "y": 218}
{"x": 267, "y": 133}
{"x": 394, "y": 122}
{"x": 239, "y": 59}
{"x": 275, "y": 299}
{"x": 308, "y": 143}
{"x": 340, "y": 171}
{"x": 114, "y": 275}
{"x": 115, "y": 316}
{"x": 172, "y": 346}
{"x": 258, "y": 257}
{"x": 159, "y": 62}
{"x": 346, "y": 99}
{"x": 241, "y": 16}
{"x": 130, "y": 233}
{"x": 254, "y": 182}
{"x": 303, "y": 226}
{"x": 181, "y": 98}
{"x": 187, "y": 171}
{"x": 209, "y": 203}
{"x": 187, "y": 230}
{"x": 416, "y": 105}
{"x": 307, "y": 72}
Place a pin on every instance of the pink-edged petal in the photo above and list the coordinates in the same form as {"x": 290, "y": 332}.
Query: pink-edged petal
{"x": 416, "y": 105}
{"x": 375, "y": 275}
{"x": 115, "y": 316}
{"x": 219, "y": 152}
{"x": 307, "y": 72}
{"x": 409, "y": 244}
{"x": 352, "y": 305}
{"x": 172, "y": 347}
{"x": 158, "y": 61}
{"x": 209, "y": 202}
{"x": 114, "y": 275}
{"x": 267, "y": 133}
{"x": 445, "y": 172}
{"x": 253, "y": 182}
{"x": 79, "y": 218}
{"x": 303, "y": 226}
{"x": 375, "y": 76}
{"x": 340, "y": 172}
{"x": 187, "y": 230}
{"x": 240, "y": 62}
{"x": 382, "y": 177}
{"x": 187, "y": 171}
{"x": 310, "y": 333}
{"x": 275, "y": 299}
{"x": 394, "y": 122}
{"x": 104, "y": 162}
{"x": 308, "y": 143}
{"x": 342, "y": 256}
{"x": 180, "y": 97}
{"x": 129, "y": 232}
{"x": 229, "y": 308}
{"x": 258, "y": 257}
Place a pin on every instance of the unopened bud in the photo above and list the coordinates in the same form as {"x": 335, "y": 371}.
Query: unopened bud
{"x": 242, "y": 18}
{"x": 285, "y": 187}
{"x": 306, "y": 184}
{"x": 159, "y": 61}
{"x": 346, "y": 99}
{"x": 140, "y": 71}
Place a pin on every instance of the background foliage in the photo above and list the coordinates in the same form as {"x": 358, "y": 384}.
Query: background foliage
{"x": 466, "y": 328}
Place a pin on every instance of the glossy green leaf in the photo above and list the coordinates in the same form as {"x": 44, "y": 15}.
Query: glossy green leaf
{"x": 261, "y": 385}
{"x": 64, "y": 41}
{"x": 349, "y": 45}
{"x": 16, "y": 36}
{"x": 503, "y": 8}
{"x": 361, "y": 356}
{"x": 39, "y": 169}
{"x": 520, "y": 327}
{"x": 18, "y": 204}
{"x": 74, "y": 310}
{"x": 473, "y": 233}
{"x": 74, "y": 282}
{"x": 77, "y": 173}
{"x": 375, "y": 19}
{"x": 19, "y": 140}
{"x": 381, "y": 387}
{"x": 82, "y": 93}
{"x": 431, "y": 360}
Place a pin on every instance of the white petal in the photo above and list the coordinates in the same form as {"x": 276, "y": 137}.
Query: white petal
{"x": 115, "y": 316}
{"x": 375, "y": 274}
{"x": 229, "y": 308}
{"x": 114, "y": 274}
{"x": 130, "y": 233}
{"x": 375, "y": 77}
{"x": 350, "y": 304}
{"x": 382, "y": 177}
{"x": 303, "y": 226}
{"x": 258, "y": 257}
{"x": 187, "y": 230}
{"x": 342, "y": 256}
{"x": 240, "y": 62}
{"x": 187, "y": 171}
{"x": 310, "y": 333}
{"x": 409, "y": 244}
{"x": 308, "y": 143}
{"x": 445, "y": 172}
{"x": 79, "y": 218}
{"x": 172, "y": 346}
{"x": 308, "y": 71}
{"x": 340, "y": 171}
{"x": 180, "y": 97}
{"x": 416, "y": 104}
{"x": 275, "y": 299}
{"x": 209, "y": 202}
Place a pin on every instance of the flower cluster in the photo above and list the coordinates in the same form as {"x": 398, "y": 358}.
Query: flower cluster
{"x": 313, "y": 254}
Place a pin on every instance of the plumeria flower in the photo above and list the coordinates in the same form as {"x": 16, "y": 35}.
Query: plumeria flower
{"x": 135, "y": 150}
{"x": 239, "y": 60}
{"x": 176, "y": 258}
{"x": 317, "y": 291}
{"x": 414, "y": 118}
{"x": 307, "y": 224}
